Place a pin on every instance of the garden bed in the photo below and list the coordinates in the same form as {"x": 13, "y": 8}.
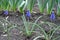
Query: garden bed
{"x": 17, "y": 34}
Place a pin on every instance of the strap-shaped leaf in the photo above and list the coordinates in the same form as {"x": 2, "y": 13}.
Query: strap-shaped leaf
{"x": 15, "y": 4}
{"x": 30, "y": 4}
{"x": 51, "y": 4}
{"x": 42, "y": 4}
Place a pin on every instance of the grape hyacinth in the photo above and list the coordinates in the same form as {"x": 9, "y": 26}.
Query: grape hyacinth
{"x": 28, "y": 13}
{"x": 5, "y": 12}
{"x": 52, "y": 17}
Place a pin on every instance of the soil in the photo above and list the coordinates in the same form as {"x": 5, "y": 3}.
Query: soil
{"x": 17, "y": 34}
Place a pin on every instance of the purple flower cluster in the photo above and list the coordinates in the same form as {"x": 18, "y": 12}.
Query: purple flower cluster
{"x": 28, "y": 14}
{"x": 52, "y": 17}
{"x": 5, "y": 12}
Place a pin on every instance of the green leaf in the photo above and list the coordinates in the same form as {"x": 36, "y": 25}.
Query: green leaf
{"x": 5, "y": 4}
{"x": 42, "y": 4}
{"x": 58, "y": 9}
{"x": 51, "y": 4}
{"x": 14, "y": 4}
{"x": 30, "y": 4}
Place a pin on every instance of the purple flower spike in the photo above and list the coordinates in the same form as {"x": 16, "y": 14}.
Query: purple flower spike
{"x": 28, "y": 13}
{"x": 52, "y": 17}
{"x": 5, "y": 12}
